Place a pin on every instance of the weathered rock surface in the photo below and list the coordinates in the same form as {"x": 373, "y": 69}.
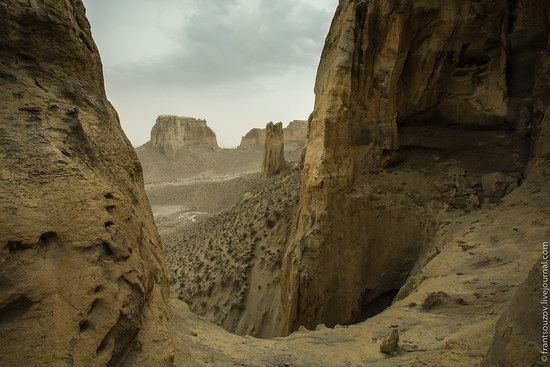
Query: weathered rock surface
{"x": 255, "y": 138}
{"x": 392, "y": 69}
{"x": 518, "y": 336}
{"x": 82, "y": 277}
{"x": 274, "y": 150}
{"x": 172, "y": 133}
{"x": 390, "y": 342}
{"x": 227, "y": 266}
{"x": 294, "y": 133}
{"x": 497, "y": 185}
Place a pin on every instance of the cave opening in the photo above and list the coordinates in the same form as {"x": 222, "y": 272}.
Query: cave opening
{"x": 376, "y": 306}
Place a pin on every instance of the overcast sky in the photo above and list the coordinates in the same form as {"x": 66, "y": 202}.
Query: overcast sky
{"x": 237, "y": 63}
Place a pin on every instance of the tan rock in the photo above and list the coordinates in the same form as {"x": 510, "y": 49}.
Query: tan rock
{"x": 274, "y": 150}
{"x": 255, "y": 138}
{"x": 171, "y": 133}
{"x": 390, "y": 342}
{"x": 387, "y": 66}
{"x": 295, "y": 132}
{"x": 82, "y": 277}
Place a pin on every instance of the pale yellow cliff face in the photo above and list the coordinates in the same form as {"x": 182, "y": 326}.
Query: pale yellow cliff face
{"x": 172, "y": 133}
{"x": 388, "y": 68}
{"x": 274, "y": 150}
{"x": 255, "y": 138}
{"x": 82, "y": 276}
{"x": 295, "y": 132}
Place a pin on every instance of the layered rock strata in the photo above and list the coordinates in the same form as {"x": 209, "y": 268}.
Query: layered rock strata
{"x": 172, "y": 133}
{"x": 294, "y": 133}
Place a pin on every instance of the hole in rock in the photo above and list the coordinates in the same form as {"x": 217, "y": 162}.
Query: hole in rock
{"x": 377, "y": 305}
{"x": 107, "y": 249}
{"x": 84, "y": 325}
{"x": 15, "y": 246}
{"x": 47, "y": 238}
{"x": 103, "y": 345}
{"x": 15, "y": 309}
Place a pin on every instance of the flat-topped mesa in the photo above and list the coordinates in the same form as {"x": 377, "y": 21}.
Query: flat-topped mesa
{"x": 171, "y": 133}
{"x": 295, "y": 132}
{"x": 255, "y": 138}
{"x": 274, "y": 150}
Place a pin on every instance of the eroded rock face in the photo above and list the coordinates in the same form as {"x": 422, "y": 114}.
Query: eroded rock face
{"x": 274, "y": 150}
{"x": 82, "y": 277}
{"x": 391, "y": 70}
{"x": 295, "y": 132}
{"x": 172, "y": 133}
{"x": 255, "y": 138}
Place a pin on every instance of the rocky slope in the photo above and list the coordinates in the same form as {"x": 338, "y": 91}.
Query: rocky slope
{"x": 226, "y": 266}
{"x": 172, "y": 133}
{"x": 82, "y": 276}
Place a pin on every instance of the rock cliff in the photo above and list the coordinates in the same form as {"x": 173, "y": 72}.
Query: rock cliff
{"x": 295, "y": 132}
{"x": 399, "y": 82}
{"x": 82, "y": 276}
{"x": 255, "y": 138}
{"x": 274, "y": 150}
{"x": 172, "y": 133}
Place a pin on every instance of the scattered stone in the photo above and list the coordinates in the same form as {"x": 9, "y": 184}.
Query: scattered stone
{"x": 390, "y": 342}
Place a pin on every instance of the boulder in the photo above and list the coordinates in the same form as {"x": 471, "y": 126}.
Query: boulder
{"x": 390, "y": 342}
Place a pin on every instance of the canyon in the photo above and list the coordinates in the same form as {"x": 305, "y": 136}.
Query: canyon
{"x": 408, "y": 232}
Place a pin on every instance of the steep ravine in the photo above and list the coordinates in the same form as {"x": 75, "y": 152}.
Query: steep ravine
{"x": 425, "y": 185}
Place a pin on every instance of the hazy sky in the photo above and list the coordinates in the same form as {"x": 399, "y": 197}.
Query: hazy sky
{"x": 237, "y": 63}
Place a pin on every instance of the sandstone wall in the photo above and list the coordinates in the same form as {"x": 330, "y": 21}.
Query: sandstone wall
{"x": 295, "y": 132}
{"x": 255, "y": 138}
{"x": 387, "y": 65}
{"x": 82, "y": 277}
{"x": 171, "y": 133}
